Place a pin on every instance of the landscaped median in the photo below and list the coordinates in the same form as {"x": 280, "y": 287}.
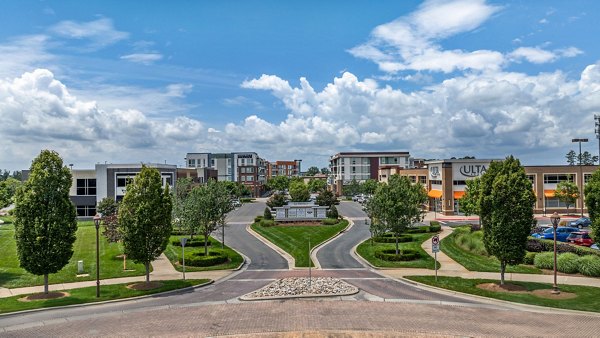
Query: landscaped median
{"x": 293, "y": 238}
{"x": 380, "y": 251}
{"x": 88, "y": 294}
{"x": 217, "y": 259}
{"x": 572, "y": 297}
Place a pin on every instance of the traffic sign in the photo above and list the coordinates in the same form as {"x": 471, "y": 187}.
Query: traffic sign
{"x": 435, "y": 244}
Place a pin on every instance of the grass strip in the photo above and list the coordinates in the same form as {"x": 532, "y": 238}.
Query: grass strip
{"x": 88, "y": 295}
{"x": 367, "y": 250}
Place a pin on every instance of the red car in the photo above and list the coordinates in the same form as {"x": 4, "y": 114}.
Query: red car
{"x": 580, "y": 238}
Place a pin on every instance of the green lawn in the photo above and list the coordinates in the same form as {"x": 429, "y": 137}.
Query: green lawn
{"x": 88, "y": 295}
{"x": 111, "y": 266}
{"x": 174, "y": 252}
{"x": 367, "y": 251}
{"x": 294, "y": 239}
{"x": 586, "y": 300}
{"x": 476, "y": 262}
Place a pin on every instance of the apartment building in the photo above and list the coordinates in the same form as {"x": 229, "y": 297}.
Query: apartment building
{"x": 284, "y": 168}
{"x": 361, "y": 166}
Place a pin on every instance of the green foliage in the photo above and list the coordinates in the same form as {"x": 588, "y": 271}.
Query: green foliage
{"x": 541, "y": 245}
{"x": 299, "y": 191}
{"x": 258, "y": 218}
{"x": 246, "y": 200}
{"x": 351, "y": 189}
{"x": 567, "y": 192}
{"x": 312, "y": 171}
{"x": 108, "y": 208}
{"x": 506, "y": 211}
{"x": 571, "y": 157}
{"x": 544, "y": 260}
{"x": 145, "y": 217}
{"x": 325, "y": 171}
{"x": 435, "y": 228}
{"x": 195, "y": 258}
{"x": 469, "y": 203}
{"x": 567, "y": 262}
{"x": 589, "y": 266}
{"x": 393, "y": 239}
{"x": 267, "y": 222}
{"x": 472, "y": 242}
{"x": 397, "y": 204}
{"x": 392, "y": 255}
{"x": 317, "y": 185}
{"x": 369, "y": 186}
{"x": 277, "y": 200}
{"x": 267, "y": 213}
{"x": 279, "y": 183}
{"x": 333, "y": 212}
{"x": 191, "y": 243}
{"x": 586, "y": 158}
{"x": 592, "y": 201}
{"x": 8, "y": 188}
{"x": 237, "y": 189}
{"x": 330, "y": 221}
{"x": 327, "y": 198}
{"x": 45, "y": 218}
{"x": 529, "y": 258}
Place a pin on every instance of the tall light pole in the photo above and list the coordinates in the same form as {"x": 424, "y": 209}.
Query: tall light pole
{"x": 97, "y": 219}
{"x": 580, "y": 179}
{"x": 555, "y": 219}
{"x": 597, "y": 130}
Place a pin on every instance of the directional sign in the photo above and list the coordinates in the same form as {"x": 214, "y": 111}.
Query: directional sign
{"x": 435, "y": 243}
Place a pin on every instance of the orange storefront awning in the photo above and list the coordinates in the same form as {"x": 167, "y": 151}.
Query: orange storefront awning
{"x": 549, "y": 193}
{"x": 434, "y": 193}
{"x": 458, "y": 194}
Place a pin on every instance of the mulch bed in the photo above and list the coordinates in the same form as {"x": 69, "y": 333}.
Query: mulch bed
{"x": 513, "y": 288}
{"x": 143, "y": 286}
{"x": 44, "y": 296}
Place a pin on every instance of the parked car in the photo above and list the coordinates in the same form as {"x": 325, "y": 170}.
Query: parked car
{"x": 357, "y": 198}
{"x": 580, "y": 238}
{"x": 538, "y": 229}
{"x": 595, "y": 247}
{"x": 561, "y": 233}
{"x": 581, "y": 222}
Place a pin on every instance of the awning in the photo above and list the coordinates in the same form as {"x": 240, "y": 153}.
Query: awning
{"x": 458, "y": 194}
{"x": 549, "y": 193}
{"x": 434, "y": 193}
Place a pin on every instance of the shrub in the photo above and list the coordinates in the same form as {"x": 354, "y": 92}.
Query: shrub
{"x": 392, "y": 239}
{"x": 390, "y": 255}
{"x": 472, "y": 242}
{"x": 434, "y": 223}
{"x": 435, "y": 228}
{"x": 418, "y": 230}
{"x": 246, "y": 200}
{"x": 277, "y": 200}
{"x": 197, "y": 241}
{"x": 529, "y": 257}
{"x": 214, "y": 257}
{"x": 540, "y": 245}
{"x": 179, "y": 232}
{"x": 475, "y": 227}
{"x": 544, "y": 260}
{"x": 257, "y": 219}
{"x": 267, "y": 213}
{"x": 567, "y": 262}
{"x": 589, "y": 265}
{"x": 330, "y": 221}
{"x": 333, "y": 212}
{"x": 267, "y": 222}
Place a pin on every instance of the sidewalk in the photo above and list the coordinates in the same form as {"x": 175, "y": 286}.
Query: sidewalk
{"x": 451, "y": 268}
{"x": 161, "y": 270}
{"x": 433, "y": 216}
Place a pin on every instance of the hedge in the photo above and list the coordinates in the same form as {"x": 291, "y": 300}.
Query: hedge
{"x": 390, "y": 255}
{"x": 199, "y": 259}
{"x": 267, "y": 222}
{"x": 567, "y": 262}
{"x": 529, "y": 257}
{"x": 197, "y": 241}
{"x": 544, "y": 260}
{"x": 389, "y": 239}
{"x": 330, "y": 221}
{"x": 257, "y": 219}
{"x": 589, "y": 265}
{"x": 246, "y": 200}
{"x": 435, "y": 228}
{"x": 541, "y": 245}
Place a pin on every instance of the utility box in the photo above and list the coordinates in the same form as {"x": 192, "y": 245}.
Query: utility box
{"x": 79, "y": 267}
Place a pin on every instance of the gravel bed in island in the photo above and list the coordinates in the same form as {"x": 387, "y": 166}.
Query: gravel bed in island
{"x": 297, "y": 287}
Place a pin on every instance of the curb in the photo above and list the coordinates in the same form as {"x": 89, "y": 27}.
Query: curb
{"x": 315, "y": 250}
{"x": 291, "y": 261}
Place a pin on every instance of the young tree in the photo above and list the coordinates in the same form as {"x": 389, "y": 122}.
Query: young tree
{"x": 8, "y": 188}
{"x": 145, "y": 218}
{"x": 469, "y": 203}
{"x": 277, "y": 200}
{"x": 567, "y": 192}
{"x": 108, "y": 208}
{"x": 183, "y": 187}
{"x": 267, "y": 213}
{"x": 327, "y": 198}
{"x": 312, "y": 171}
{"x": 45, "y": 218}
{"x": 325, "y": 171}
{"x": 316, "y": 185}
{"x": 571, "y": 157}
{"x": 369, "y": 186}
{"x": 506, "y": 213}
{"x": 351, "y": 189}
{"x": 299, "y": 191}
{"x": 592, "y": 201}
{"x": 397, "y": 205}
{"x": 333, "y": 212}
{"x": 279, "y": 183}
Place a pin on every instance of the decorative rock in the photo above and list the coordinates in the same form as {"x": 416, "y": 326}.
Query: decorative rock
{"x": 299, "y": 287}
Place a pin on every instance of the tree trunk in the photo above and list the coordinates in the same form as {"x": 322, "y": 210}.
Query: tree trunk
{"x": 46, "y": 283}
{"x": 147, "y": 272}
{"x": 223, "y": 236}
{"x": 124, "y": 262}
{"x": 397, "y": 249}
{"x": 502, "y": 270}
{"x": 205, "y": 244}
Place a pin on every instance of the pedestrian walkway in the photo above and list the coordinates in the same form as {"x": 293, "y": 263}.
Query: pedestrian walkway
{"x": 162, "y": 269}
{"x": 451, "y": 268}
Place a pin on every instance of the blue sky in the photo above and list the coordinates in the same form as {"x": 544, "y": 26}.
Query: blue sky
{"x": 130, "y": 81}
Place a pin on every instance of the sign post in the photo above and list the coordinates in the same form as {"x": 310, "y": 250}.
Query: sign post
{"x": 183, "y": 242}
{"x": 435, "y": 248}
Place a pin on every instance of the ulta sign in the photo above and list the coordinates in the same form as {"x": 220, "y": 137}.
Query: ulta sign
{"x": 472, "y": 170}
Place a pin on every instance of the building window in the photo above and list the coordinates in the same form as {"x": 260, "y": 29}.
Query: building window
{"x": 586, "y": 178}
{"x": 554, "y": 202}
{"x": 413, "y": 179}
{"x": 191, "y": 163}
{"x": 249, "y": 178}
{"x": 423, "y": 180}
{"x": 86, "y": 210}
{"x": 354, "y": 170}
{"x": 436, "y": 182}
{"x": 557, "y": 178}
{"x": 86, "y": 186}
{"x": 459, "y": 182}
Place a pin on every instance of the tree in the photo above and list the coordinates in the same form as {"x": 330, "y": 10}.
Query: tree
{"x": 267, "y": 213}
{"x": 333, "y": 212}
{"x": 45, "y": 218}
{"x": 369, "y": 186}
{"x": 312, "y": 171}
{"x": 469, "y": 203}
{"x": 108, "y": 208}
{"x": 351, "y": 189}
{"x": 592, "y": 201}
{"x": 571, "y": 157}
{"x": 325, "y": 171}
{"x": 397, "y": 205}
{"x": 183, "y": 187}
{"x": 279, "y": 183}
{"x": 567, "y": 192}
{"x": 145, "y": 218}
{"x": 8, "y": 188}
{"x": 299, "y": 191}
{"x": 506, "y": 211}
{"x": 277, "y": 200}
{"x": 327, "y": 198}
{"x": 317, "y": 185}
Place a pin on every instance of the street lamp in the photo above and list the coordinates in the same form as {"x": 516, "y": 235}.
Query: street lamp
{"x": 579, "y": 140}
{"x": 555, "y": 219}
{"x": 97, "y": 219}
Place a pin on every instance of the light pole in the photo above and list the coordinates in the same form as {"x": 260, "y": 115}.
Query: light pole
{"x": 597, "y": 130}
{"x": 579, "y": 140}
{"x": 97, "y": 219}
{"x": 555, "y": 219}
